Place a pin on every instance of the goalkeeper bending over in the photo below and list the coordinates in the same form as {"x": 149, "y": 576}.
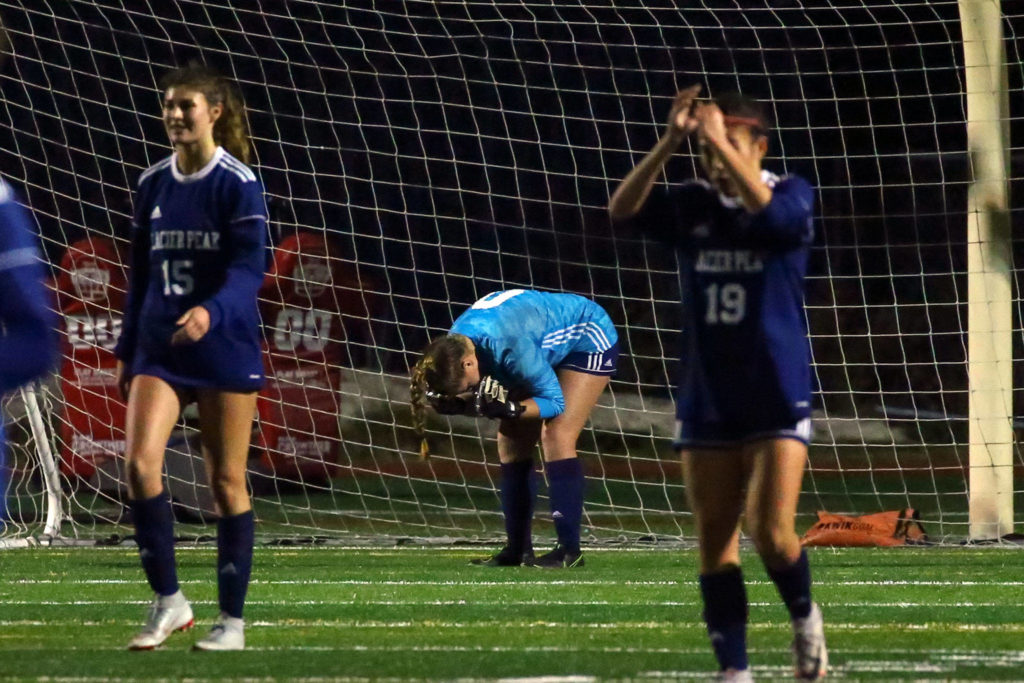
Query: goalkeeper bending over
{"x": 538, "y": 362}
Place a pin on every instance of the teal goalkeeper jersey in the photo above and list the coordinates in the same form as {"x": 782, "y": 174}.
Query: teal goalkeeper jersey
{"x": 522, "y": 335}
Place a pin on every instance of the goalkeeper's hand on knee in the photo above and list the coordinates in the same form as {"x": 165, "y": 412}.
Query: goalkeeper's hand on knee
{"x": 492, "y": 400}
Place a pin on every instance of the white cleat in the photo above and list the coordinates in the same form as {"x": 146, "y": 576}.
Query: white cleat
{"x": 735, "y": 676}
{"x": 227, "y": 634}
{"x": 810, "y": 657}
{"x": 167, "y": 614}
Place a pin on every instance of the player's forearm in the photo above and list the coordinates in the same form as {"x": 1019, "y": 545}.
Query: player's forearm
{"x": 138, "y": 277}
{"x": 631, "y": 194}
{"x": 244, "y": 275}
{"x": 240, "y": 289}
{"x": 530, "y": 409}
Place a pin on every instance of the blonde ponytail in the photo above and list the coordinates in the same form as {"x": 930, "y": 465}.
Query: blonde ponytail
{"x": 418, "y": 402}
{"x": 438, "y": 369}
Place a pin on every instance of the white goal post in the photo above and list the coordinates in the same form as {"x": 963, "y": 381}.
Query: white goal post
{"x": 420, "y": 154}
{"x": 990, "y": 271}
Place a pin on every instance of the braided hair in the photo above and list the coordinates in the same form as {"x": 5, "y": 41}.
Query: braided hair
{"x": 438, "y": 369}
{"x": 231, "y": 130}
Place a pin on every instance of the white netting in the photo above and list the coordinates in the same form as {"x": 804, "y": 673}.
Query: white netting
{"x": 432, "y": 152}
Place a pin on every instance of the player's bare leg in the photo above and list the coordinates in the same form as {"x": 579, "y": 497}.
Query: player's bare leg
{"x": 153, "y": 409}
{"x": 225, "y": 420}
{"x": 777, "y": 467}
{"x": 715, "y": 483}
{"x": 565, "y": 472}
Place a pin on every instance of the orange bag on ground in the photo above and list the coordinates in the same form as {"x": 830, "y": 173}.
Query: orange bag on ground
{"x": 895, "y": 527}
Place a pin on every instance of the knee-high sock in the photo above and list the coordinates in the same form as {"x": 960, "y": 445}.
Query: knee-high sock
{"x": 565, "y": 487}
{"x": 154, "y": 534}
{"x": 235, "y": 536}
{"x": 794, "y": 584}
{"x": 518, "y": 491}
{"x": 725, "y": 612}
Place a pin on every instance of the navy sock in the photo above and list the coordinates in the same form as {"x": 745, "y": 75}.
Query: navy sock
{"x": 725, "y": 612}
{"x": 154, "y": 534}
{"x": 518, "y": 490}
{"x": 565, "y": 487}
{"x": 235, "y": 537}
{"x": 794, "y": 584}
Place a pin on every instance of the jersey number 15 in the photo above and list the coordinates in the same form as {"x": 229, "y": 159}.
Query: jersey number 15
{"x": 177, "y": 277}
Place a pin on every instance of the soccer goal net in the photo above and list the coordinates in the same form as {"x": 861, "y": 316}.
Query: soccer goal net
{"x": 418, "y": 155}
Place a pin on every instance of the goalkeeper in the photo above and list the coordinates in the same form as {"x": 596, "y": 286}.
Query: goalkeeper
{"x": 536, "y": 361}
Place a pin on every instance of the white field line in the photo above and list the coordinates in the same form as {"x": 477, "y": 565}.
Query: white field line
{"x": 524, "y": 603}
{"x": 476, "y": 545}
{"x": 511, "y": 582}
{"x": 932, "y": 661}
{"x": 649, "y": 625}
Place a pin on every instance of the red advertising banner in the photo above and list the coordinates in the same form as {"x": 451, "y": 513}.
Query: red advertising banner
{"x": 90, "y": 291}
{"x": 302, "y": 302}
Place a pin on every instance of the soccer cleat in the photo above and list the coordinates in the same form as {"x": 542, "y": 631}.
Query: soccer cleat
{"x": 735, "y": 676}
{"x": 166, "y": 615}
{"x": 505, "y": 558}
{"x": 810, "y": 657}
{"x": 559, "y": 558}
{"x": 227, "y": 634}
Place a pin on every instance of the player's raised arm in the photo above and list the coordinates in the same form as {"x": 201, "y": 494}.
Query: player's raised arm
{"x": 632, "y": 192}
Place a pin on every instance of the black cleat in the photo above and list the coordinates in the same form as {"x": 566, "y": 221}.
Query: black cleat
{"x": 505, "y": 558}
{"x": 559, "y": 558}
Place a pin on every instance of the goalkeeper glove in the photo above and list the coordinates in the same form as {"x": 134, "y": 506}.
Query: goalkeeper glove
{"x": 492, "y": 400}
{"x": 447, "y": 405}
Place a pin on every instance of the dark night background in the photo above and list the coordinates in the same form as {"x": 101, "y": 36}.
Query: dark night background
{"x": 455, "y": 148}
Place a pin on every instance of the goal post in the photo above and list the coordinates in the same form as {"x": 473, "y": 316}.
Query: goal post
{"x": 989, "y": 271}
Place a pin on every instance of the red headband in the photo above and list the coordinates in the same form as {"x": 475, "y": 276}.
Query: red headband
{"x": 743, "y": 121}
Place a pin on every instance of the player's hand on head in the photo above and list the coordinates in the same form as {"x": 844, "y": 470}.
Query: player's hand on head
{"x": 680, "y": 119}
{"x": 192, "y": 326}
{"x": 491, "y": 399}
{"x": 710, "y": 121}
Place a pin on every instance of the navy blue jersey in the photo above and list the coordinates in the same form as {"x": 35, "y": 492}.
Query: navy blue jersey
{"x": 746, "y": 356}
{"x": 197, "y": 240}
{"x": 522, "y": 335}
{"x": 28, "y": 337}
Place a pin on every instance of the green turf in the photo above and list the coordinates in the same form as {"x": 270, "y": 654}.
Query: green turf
{"x": 423, "y": 613}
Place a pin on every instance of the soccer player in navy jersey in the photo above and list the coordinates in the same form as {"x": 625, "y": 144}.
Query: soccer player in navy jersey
{"x": 536, "y": 361}
{"x": 192, "y": 333}
{"x": 743, "y": 404}
{"x": 28, "y": 341}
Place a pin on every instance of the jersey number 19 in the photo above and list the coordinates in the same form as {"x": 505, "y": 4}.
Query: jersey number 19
{"x": 726, "y": 303}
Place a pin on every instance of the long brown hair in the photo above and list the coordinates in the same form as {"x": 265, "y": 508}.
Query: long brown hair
{"x": 438, "y": 369}
{"x": 231, "y": 130}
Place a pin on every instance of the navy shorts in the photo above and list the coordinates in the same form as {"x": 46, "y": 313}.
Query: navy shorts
{"x": 592, "y": 362}
{"x": 720, "y": 435}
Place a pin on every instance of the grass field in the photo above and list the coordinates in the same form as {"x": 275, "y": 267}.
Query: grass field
{"x": 423, "y": 613}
